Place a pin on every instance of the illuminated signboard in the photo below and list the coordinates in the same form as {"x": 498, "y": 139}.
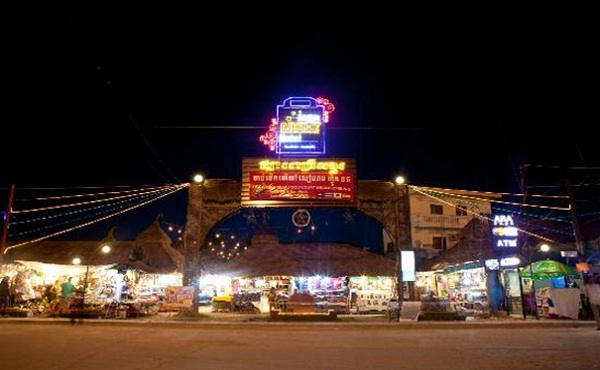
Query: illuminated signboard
{"x": 495, "y": 264}
{"x": 299, "y": 128}
{"x": 510, "y": 261}
{"x": 492, "y": 264}
{"x": 298, "y": 185}
{"x": 505, "y": 235}
{"x": 277, "y": 181}
{"x": 408, "y": 266}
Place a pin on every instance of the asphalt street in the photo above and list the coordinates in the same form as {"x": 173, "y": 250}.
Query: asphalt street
{"x": 237, "y": 342}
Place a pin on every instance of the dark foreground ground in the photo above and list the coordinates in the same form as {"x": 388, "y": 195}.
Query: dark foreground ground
{"x": 226, "y": 341}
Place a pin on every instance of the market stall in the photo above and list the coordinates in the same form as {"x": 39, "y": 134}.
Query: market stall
{"x": 338, "y": 277}
{"x": 553, "y": 287}
{"x": 131, "y": 274}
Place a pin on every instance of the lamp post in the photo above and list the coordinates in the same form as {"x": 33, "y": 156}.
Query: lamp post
{"x": 104, "y": 248}
{"x": 402, "y": 233}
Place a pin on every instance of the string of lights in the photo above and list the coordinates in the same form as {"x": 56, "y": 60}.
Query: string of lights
{"x": 227, "y": 244}
{"x": 109, "y": 205}
{"x": 427, "y": 191}
{"x": 161, "y": 190}
{"x": 86, "y": 213}
{"x": 481, "y": 216}
{"x": 114, "y": 205}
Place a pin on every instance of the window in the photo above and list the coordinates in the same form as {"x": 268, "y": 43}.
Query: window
{"x": 439, "y": 243}
{"x": 436, "y": 209}
{"x": 461, "y": 210}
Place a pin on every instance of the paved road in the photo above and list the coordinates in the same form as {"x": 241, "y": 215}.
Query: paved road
{"x": 102, "y": 344}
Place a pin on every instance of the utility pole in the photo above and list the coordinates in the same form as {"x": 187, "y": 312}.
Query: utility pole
{"x": 4, "y": 238}
{"x": 576, "y": 230}
{"x": 526, "y": 246}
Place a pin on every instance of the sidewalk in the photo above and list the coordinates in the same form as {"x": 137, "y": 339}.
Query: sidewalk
{"x": 375, "y": 320}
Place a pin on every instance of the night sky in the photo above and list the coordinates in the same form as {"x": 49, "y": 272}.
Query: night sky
{"x": 117, "y": 96}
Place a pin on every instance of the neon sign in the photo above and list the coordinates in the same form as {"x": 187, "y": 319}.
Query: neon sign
{"x": 283, "y": 182}
{"x": 332, "y": 167}
{"x": 505, "y": 234}
{"x": 299, "y": 128}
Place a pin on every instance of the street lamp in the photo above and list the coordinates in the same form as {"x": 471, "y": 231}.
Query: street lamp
{"x": 544, "y": 247}
{"x": 104, "y": 248}
{"x": 198, "y": 178}
{"x": 402, "y": 233}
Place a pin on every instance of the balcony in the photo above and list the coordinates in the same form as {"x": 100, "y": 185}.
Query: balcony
{"x": 443, "y": 221}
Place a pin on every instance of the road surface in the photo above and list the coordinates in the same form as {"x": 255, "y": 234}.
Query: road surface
{"x": 289, "y": 346}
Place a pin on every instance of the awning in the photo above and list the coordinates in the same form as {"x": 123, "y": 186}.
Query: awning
{"x": 547, "y": 269}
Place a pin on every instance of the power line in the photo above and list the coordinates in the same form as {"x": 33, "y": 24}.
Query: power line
{"x": 124, "y": 107}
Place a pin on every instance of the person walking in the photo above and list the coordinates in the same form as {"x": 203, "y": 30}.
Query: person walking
{"x": 591, "y": 289}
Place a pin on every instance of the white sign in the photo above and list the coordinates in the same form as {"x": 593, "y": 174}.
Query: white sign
{"x": 408, "y": 266}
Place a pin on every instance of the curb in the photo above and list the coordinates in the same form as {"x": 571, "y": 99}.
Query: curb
{"x": 241, "y": 321}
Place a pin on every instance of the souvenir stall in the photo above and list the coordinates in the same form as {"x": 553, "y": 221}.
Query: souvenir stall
{"x": 554, "y": 288}
{"x": 130, "y": 292}
{"x": 26, "y": 294}
{"x": 35, "y": 289}
{"x": 463, "y": 290}
{"x": 425, "y": 285}
{"x": 338, "y": 277}
{"x": 340, "y": 294}
{"x": 371, "y": 293}
{"x": 108, "y": 275}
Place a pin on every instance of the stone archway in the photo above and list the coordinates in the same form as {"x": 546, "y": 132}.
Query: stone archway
{"x": 213, "y": 200}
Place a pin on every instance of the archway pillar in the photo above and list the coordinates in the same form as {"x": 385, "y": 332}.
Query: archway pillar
{"x": 389, "y": 204}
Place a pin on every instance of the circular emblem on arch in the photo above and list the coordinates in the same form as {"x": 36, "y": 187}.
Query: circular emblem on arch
{"x": 301, "y": 218}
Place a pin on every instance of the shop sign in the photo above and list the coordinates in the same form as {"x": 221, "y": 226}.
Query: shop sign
{"x": 492, "y": 264}
{"x": 299, "y": 185}
{"x": 568, "y": 254}
{"x": 505, "y": 234}
{"x": 298, "y": 181}
{"x": 177, "y": 297}
{"x": 510, "y": 262}
{"x": 300, "y": 126}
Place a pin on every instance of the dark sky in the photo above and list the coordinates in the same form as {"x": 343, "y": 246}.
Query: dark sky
{"x": 129, "y": 96}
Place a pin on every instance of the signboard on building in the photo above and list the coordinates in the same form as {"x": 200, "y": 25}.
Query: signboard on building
{"x": 505, "y": 234}
{"x": 492, "y": 264}
{"x": 300, "y": 127}
{"x": 296, "y": 181}
{"x": 177, "y": 297}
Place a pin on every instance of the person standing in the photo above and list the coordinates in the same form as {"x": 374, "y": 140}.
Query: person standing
{"x": 66, "y": 290}
{"x": 272, "y": 298}
{"x": 591, "y": 289}
{"x": 4, "y": 294}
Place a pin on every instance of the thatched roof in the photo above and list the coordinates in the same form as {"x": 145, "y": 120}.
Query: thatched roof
{"x": 151, "y": 252}
{"x": 474, "y": 244}
{"x": 305, "y": 260}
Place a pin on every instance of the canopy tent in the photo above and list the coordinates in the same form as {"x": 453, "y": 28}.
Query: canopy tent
{"x": 547, "y": 269}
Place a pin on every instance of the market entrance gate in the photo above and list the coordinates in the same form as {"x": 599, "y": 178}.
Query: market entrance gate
{"x": 212, "y": 201}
